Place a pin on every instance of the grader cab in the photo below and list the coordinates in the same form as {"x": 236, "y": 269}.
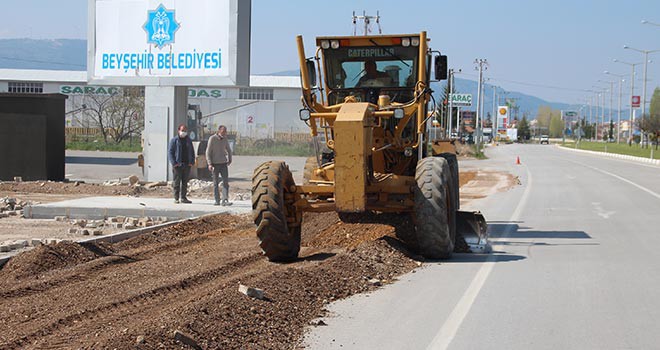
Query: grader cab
{"x": 368, "y": 115}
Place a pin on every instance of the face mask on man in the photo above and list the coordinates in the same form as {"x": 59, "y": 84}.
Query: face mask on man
{"x": 183, "y": 134}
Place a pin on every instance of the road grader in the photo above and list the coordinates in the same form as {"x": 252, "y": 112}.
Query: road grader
{"x": 368, "y": 114}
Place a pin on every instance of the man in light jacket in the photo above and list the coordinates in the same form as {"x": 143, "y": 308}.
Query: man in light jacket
{"x": 218, "y": 155}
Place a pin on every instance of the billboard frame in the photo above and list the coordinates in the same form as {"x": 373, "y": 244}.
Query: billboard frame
{"x": 239, "y": 62}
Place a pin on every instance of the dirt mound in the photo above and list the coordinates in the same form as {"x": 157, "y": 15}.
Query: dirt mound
{"x": 221, "y": 222}
{"x": 295, "y": 295}
{"x": 52, "y": 257}
{"x": 328, "y": 230}
{"x": 79, "y": 188}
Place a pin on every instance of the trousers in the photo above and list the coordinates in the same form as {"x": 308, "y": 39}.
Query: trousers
{"x": 221, "y": 170}
{"x": 181, "y": 176}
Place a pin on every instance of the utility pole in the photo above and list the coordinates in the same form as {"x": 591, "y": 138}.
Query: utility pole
{"x": 632, "y": 92}
{"x": 646, "y": 61}
{"x": 611, "y": 93}
{"x": 618, "y": 126}
{"x": 482, "y": 64}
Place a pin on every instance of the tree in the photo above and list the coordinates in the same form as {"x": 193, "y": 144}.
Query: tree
{"x": 117, "y": 116}
{"x": 543, "y": 116}
{"x": 556, "y": 126}
{"x": 587, "y": 129}
{"x": 650, "y": 124}
{"x": 523, "y": 128}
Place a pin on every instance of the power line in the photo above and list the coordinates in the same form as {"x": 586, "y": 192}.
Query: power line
{"x": 38, "y": 61}
{"x": 528, "y": 84}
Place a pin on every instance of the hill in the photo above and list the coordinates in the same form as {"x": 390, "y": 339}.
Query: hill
{"x": 58, "y": 54}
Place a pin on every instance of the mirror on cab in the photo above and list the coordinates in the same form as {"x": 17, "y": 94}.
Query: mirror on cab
{"x": 311, "y": 71}
{"x": 440, "y": 67}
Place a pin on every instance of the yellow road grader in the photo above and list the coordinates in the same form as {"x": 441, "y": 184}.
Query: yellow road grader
{"x": 368, "y": 114}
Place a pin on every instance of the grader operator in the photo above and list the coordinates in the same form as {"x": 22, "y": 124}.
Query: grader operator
{"x": 371, "y": 107}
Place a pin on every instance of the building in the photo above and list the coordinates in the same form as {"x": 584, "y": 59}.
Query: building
{"x": 269, "y": 105}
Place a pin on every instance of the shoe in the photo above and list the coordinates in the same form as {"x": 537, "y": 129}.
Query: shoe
{"x": 185, "y": 200}
{"x": 226, "y": 203}
{"x": 176, "y": 201}
{"x": 216, "y": 203}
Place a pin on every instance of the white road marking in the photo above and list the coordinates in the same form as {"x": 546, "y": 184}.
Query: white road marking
{"x": 598, "y": 209}
{"x": 448, "y": 331}
{"x": 620, "y": 178}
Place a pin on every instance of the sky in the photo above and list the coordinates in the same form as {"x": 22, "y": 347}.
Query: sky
{"x": 551, "y": 49}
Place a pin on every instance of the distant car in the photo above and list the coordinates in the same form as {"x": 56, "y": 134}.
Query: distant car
{"x": 545, "y": 139}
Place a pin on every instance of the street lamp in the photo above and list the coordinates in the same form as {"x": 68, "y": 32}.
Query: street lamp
{"x": 611, "y": 92}
{"x": 618, "y": 124}
{"x": 646, "y": 61}
{"x": 651, "y": 23}
{"x": 632, "y": 91}
{"x": 599, "y": 92}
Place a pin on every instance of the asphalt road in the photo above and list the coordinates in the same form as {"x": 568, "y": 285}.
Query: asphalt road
{"x": 575, "y": 267}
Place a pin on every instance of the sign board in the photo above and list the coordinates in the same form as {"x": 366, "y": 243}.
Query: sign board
{"x": 88, "y": 90}
{"x": 169, "y": 42}
{"x": 636, "y": 101}
{"x": 461, "y": 100}
{"x": 206, "y": 93}
{"x": 502, "y": 117}
{"x": 569, "y": 117}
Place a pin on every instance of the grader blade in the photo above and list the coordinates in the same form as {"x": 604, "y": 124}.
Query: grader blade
{"x": 471, "y": 226}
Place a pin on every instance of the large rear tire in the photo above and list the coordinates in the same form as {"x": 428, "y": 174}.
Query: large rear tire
{"x": 274, "y": 213}
{"x": 434, "y": 210}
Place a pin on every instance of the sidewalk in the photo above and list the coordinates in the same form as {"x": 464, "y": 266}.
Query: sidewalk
{"x": 615, "y": 155}
{"x": 104, "y": 207}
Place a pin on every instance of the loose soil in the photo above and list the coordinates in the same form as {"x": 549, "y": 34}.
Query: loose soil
{"x": 185, "y": 278}
{"x": 137, "y": 293}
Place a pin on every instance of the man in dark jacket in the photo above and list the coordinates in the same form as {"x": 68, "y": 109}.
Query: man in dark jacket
{"x": 182, "y": 158}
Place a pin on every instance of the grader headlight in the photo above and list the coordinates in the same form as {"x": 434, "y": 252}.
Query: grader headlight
{"x": 334, "y": 44}
{"x": 405, "y": 42}
{"x": 414, "y": 41}
{"x": 398, "y": 113}
{"x": 325, "y": 44}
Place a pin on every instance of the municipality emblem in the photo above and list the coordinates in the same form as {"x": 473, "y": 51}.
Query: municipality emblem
{"x": 160, "y": 26}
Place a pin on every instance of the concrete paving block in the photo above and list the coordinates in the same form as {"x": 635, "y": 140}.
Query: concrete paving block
{"x": 12, "y": 213}
{"x": 18, "y": 244}
{"x": 97, "y": 232}
{"x": 73, "y": 230}
{"x": 84, "y": 231}
{"x": 35, "y": 242}
{"x": 60, "y": 218}
{"x": 129, "y": 227}
{"x": 4, "y": 248}
{"x": 131, "y": 221}
{"x": 251, "y": 292}
{"x": 92, "y": 224}
{"x": 80, "y": 222}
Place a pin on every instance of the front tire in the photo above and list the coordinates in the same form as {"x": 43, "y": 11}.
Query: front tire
{"x": 434, "y": 208}
{"x": 274, "y": 213}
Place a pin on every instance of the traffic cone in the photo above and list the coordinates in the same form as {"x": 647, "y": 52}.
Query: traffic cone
{"x": 518, "y": 160}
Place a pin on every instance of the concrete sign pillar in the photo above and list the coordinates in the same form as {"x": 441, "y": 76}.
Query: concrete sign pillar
{"x": 165, "y": 108}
